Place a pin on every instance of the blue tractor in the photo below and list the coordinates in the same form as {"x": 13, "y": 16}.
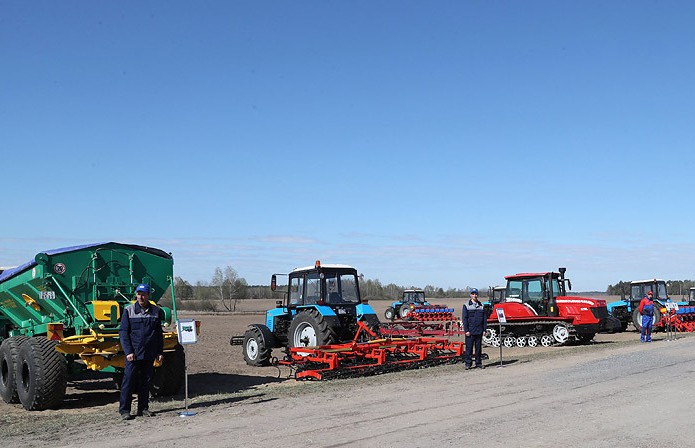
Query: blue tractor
{"x": 322, "y": 306}
{"x": 626, "y": 310}
{"x": 411, "y": 299}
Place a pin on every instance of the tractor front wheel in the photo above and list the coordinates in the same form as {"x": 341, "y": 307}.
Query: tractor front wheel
{"x": 257, "y": 347}
{"x": 41, "y": 374}
{"x": 310, "y": 329}
{"x": 390, "y": 313}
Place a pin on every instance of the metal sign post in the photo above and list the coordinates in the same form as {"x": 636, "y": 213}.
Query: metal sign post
{"x": 671, "y": 312}
{"x": 187, "y": 333}
{"x": 501, "y": 319}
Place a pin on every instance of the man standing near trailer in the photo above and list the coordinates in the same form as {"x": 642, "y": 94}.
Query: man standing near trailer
{"x": 646, "y": 309}
{"x": 142, "y": 341}
{"x": 474, "y": 325}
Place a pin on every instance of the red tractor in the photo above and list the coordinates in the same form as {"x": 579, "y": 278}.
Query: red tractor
{"x": 538, "y": 311}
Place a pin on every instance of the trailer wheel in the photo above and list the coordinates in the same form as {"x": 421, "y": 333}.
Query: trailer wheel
{"x": 310, "y": 329}
{"x": 8, "y": 360}
{"x": 561, "y": 333}
{"x": 168, "y": 379}
{"x": 390, "y": 313}
{"x": 257, "y": 345}
{"x": 41, "y": 374}
{"x": 637, "y": 318}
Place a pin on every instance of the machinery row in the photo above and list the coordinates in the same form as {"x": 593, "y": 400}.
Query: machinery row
{"x": 60, "y": 314}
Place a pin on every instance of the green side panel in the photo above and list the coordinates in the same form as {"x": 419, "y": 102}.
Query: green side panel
{"x": 61, "y": 284}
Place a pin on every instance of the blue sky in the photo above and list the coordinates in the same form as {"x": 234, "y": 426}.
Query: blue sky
{"x": 445, "y": 143}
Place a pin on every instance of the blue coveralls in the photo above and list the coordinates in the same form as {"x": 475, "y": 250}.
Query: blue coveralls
{"x": 475, "y": 322}
{"x": 646, "y": 307}
{"x": 140, "y": 334}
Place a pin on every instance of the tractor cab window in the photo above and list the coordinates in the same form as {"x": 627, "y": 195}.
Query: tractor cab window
{"x": 341, "y": 288}
{"x": 313, "y": 289}
{"x": 296, "y": 289}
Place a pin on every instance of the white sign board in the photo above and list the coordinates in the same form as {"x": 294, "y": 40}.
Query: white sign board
{"x": 671, "y": 306}
{"x": 500, "y": 316}
{"x": 186, "y": 330}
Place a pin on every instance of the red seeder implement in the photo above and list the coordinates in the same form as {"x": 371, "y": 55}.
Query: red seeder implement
{"x": 683, "y": 320}
{"x": 373, "y": 357}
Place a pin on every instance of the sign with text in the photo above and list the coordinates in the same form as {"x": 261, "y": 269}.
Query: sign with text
{"x": 187, "y": 332}
{"x": 500, "y": 316}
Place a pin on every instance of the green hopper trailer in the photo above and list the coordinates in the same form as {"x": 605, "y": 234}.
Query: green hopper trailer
{"x": 60, "y": 314}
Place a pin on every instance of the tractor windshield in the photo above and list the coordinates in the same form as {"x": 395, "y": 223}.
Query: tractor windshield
{"x": 639, "y": 290}
{"x": 341, "y": 288}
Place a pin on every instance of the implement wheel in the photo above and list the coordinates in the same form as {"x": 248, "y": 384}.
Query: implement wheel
{"x": 8, "y": 360}
{"x": 257, "y": 345}
{"x": 168, "y": 378}
{"x": 41, "y": 374}
{"x": 310, "y": 329}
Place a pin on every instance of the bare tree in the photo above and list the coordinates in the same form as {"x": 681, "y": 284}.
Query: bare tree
{"x": 229, "y": 287}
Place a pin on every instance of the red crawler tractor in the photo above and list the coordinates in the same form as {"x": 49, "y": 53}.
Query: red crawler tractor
{"x": 539, "y": 311}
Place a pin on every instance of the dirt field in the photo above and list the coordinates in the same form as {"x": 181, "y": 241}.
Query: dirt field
{"x": 220, "y": 382}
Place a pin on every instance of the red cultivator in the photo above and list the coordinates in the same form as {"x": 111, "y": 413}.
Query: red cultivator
{"x": 372, "y": 357}
{"x": 682, "y": 320}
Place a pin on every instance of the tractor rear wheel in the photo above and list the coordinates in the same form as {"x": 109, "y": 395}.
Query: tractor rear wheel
{"x": 41, "y": 374}
{"x": 404, "y": 311}
{"x": 310, "y": 329}
{"x": 168, "y": 378}
{"x": 637, "y": 318}
{"x": 8, "y": 360}
{"x": 390, "y": 313}
{"x": 256, "y": 347}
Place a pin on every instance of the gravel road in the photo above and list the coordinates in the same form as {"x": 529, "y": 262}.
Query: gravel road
{"x": 611, "y": 394}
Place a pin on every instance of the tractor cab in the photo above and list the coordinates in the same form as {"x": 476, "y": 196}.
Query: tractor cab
{"x": 537, "y": 290}
{"x": 692, "y": 295}
{"x": 335, "y": 286}
{"x": 497, "y": 294}
{"x": 640, "y": 288}
{"x": 414, "y": 296}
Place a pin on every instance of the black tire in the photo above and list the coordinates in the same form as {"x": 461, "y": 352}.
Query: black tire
{"x": 623, "y": 326}
{"x": 41, "y": 374}
{"x": 9, "y": 350}
{"x": 404, "y": 312}
{"x": 257, "y": 346}
{"x": 390, "y": 313}
{"x": 309, "y": 328}
{"x": 637, "y": 318}
{"x": 168, "y": 378}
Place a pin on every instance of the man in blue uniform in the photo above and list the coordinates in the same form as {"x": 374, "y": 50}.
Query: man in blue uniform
{"x": 474, "y": 325}
{"x": 646, "y": 309}
{"x": 142, "y": 341}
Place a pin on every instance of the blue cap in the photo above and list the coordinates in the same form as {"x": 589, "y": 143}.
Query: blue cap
{"x": 143, "y": 287}
{"x": 474, "y": 290}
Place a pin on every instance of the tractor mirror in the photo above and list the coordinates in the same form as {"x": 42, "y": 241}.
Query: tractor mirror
{"x": 278, "y": 304}
{"x": 273, "y": 283}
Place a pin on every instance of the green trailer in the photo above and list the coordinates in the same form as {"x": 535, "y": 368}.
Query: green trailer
{"x": 60, "y": 314}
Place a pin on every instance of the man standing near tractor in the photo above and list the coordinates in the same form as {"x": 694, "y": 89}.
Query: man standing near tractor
{"x": 142, "y": 341}
{"x": 474, "y": 325}
{"x": 646, "y": 309}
